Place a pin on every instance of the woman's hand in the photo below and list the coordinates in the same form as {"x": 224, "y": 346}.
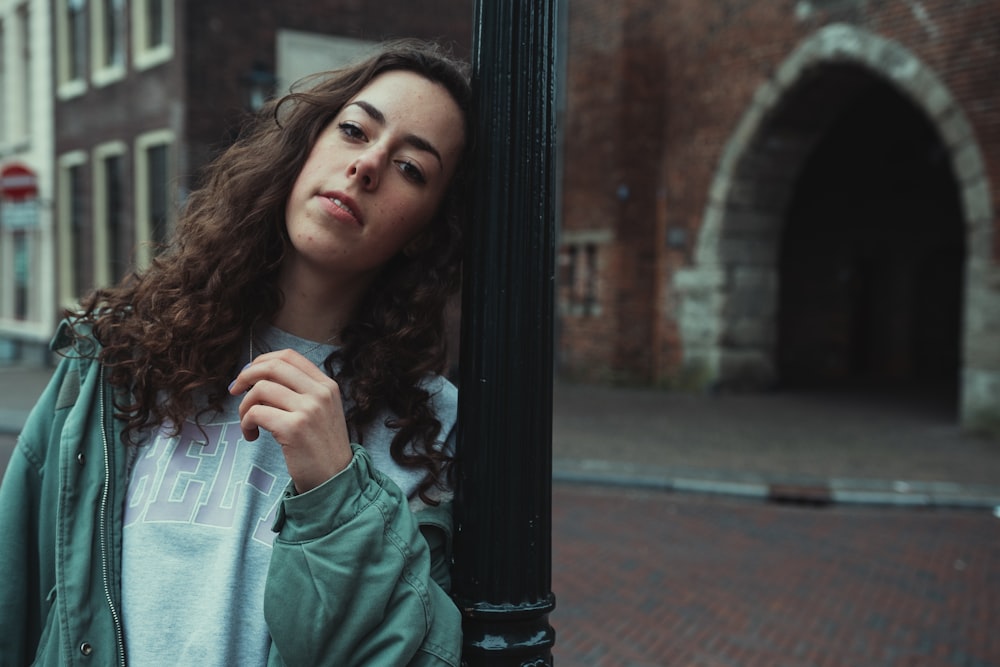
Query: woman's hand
{"x": 289, "y": 396}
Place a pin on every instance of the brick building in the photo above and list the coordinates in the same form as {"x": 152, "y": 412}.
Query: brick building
{"x": 776, "y": 193}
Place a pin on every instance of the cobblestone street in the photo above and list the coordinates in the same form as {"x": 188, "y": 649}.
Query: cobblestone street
{"x": 646, "y": 578}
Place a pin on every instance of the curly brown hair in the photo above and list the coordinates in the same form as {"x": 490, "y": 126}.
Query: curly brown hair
{"x": 172, "y": 335}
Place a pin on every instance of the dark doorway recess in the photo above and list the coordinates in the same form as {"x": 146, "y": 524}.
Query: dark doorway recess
{"x": 872, "y": 257}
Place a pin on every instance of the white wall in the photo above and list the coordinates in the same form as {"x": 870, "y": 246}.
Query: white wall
{"x": 303, "y": 53}
{"x": 27, "y": 138}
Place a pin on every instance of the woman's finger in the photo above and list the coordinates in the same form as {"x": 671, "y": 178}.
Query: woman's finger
{"x": 284, "y": 370}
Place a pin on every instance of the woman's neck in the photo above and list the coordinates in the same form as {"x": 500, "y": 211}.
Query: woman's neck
{"x": 317, "y": 310}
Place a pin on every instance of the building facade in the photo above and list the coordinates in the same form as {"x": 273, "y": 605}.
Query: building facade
{"x": 119, "y": 122}
{"x": 763, "y": 194}
{"x": 27, "y": 179}
{"x": 754, "y": 194}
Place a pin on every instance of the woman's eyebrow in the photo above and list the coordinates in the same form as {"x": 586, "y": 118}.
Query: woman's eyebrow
{"x": 417, "y": 142}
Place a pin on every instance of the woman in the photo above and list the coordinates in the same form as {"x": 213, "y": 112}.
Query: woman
{"x": 276, "y": 370}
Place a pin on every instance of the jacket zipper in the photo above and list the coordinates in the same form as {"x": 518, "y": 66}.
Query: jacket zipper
{"x": 105, "y": 547}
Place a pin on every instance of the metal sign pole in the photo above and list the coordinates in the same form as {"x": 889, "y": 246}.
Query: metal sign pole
{"x": 503, "y": 570}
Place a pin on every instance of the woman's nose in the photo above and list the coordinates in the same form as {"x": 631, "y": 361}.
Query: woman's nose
{"x": 367, "y": 168}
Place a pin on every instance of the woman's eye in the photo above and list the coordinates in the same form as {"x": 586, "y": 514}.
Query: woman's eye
{"x": 351, "y": 130}
{"x": 411, "y": 171}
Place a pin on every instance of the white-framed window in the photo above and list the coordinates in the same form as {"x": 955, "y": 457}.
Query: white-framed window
{"x": 16, "y": 79}
{"x": 152, "y": 32}
{"x": 112, "y": 250}
{"x": 20, "y": 250}
{"x": 155, "y": 193}
{"x": 581, "y": 262}
{"x": 71, "y": 47}
{"x": 73, "y": 237}
{"x": 23, "y": 92}
{"x": 21, "y": 256}
{"x": 107, "y": 40}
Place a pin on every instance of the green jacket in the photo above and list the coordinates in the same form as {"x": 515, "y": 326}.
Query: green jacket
{"x": 356, "y": 577}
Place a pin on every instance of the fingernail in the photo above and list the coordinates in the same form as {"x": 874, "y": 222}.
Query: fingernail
{"x": 231, "y": 385}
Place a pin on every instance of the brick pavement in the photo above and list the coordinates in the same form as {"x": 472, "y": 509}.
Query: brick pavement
{"x": 645, "y": 578}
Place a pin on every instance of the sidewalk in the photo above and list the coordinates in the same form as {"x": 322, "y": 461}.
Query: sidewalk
{"x": 807, "y": 448}
{"x": 795, "y": 447}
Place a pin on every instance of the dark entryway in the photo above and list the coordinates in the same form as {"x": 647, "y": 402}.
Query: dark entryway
{"x": 872, "y": 255}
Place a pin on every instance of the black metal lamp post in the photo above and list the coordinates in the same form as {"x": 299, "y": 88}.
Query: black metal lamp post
{"x": 503, "y": 575}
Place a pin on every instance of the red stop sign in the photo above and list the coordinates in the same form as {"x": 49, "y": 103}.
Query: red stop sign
{"x": 17, "y": 182}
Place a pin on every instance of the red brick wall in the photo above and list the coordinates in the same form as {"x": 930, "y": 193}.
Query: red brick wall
{"x": 586, "y": 343}
{"x": 613, "y": 143}
{"x": 655, "y": 91}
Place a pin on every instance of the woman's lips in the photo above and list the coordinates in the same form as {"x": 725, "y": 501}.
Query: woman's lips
{"x": 343, "y": 207}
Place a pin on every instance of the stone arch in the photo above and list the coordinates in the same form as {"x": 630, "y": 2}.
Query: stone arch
{"x": 728, "y": 298}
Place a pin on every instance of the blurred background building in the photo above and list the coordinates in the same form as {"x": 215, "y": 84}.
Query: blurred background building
{"x": 754, "y": 194}
{"x": 27, "y": 175}
{"x": 770, "y": 194}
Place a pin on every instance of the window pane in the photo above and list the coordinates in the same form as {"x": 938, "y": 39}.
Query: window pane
{"x": 154, "y": 23}
{"x": 26, "y": 75}
{"x": 77, "y": 206}
{"x": 113, "y": 220}
{"x": 76, "y": 49}
{"x": 22, "y": 263}
{"x": 114, "y": 51}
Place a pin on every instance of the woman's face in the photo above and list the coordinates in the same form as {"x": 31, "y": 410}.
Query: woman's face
{"x": 375, "y": 177}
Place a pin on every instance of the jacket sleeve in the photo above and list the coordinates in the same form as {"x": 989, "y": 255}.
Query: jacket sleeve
{"x": 27, "y": 526}
{"x": 350, "y": 580}
{"x": 20, "y": 603}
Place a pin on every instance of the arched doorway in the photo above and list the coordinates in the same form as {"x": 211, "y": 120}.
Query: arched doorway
{"x": 730, "y": 298}
{"x": 872, "y": 254}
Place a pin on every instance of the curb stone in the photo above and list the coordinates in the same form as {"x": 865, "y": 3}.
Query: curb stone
{"x": 802, "y": 491}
